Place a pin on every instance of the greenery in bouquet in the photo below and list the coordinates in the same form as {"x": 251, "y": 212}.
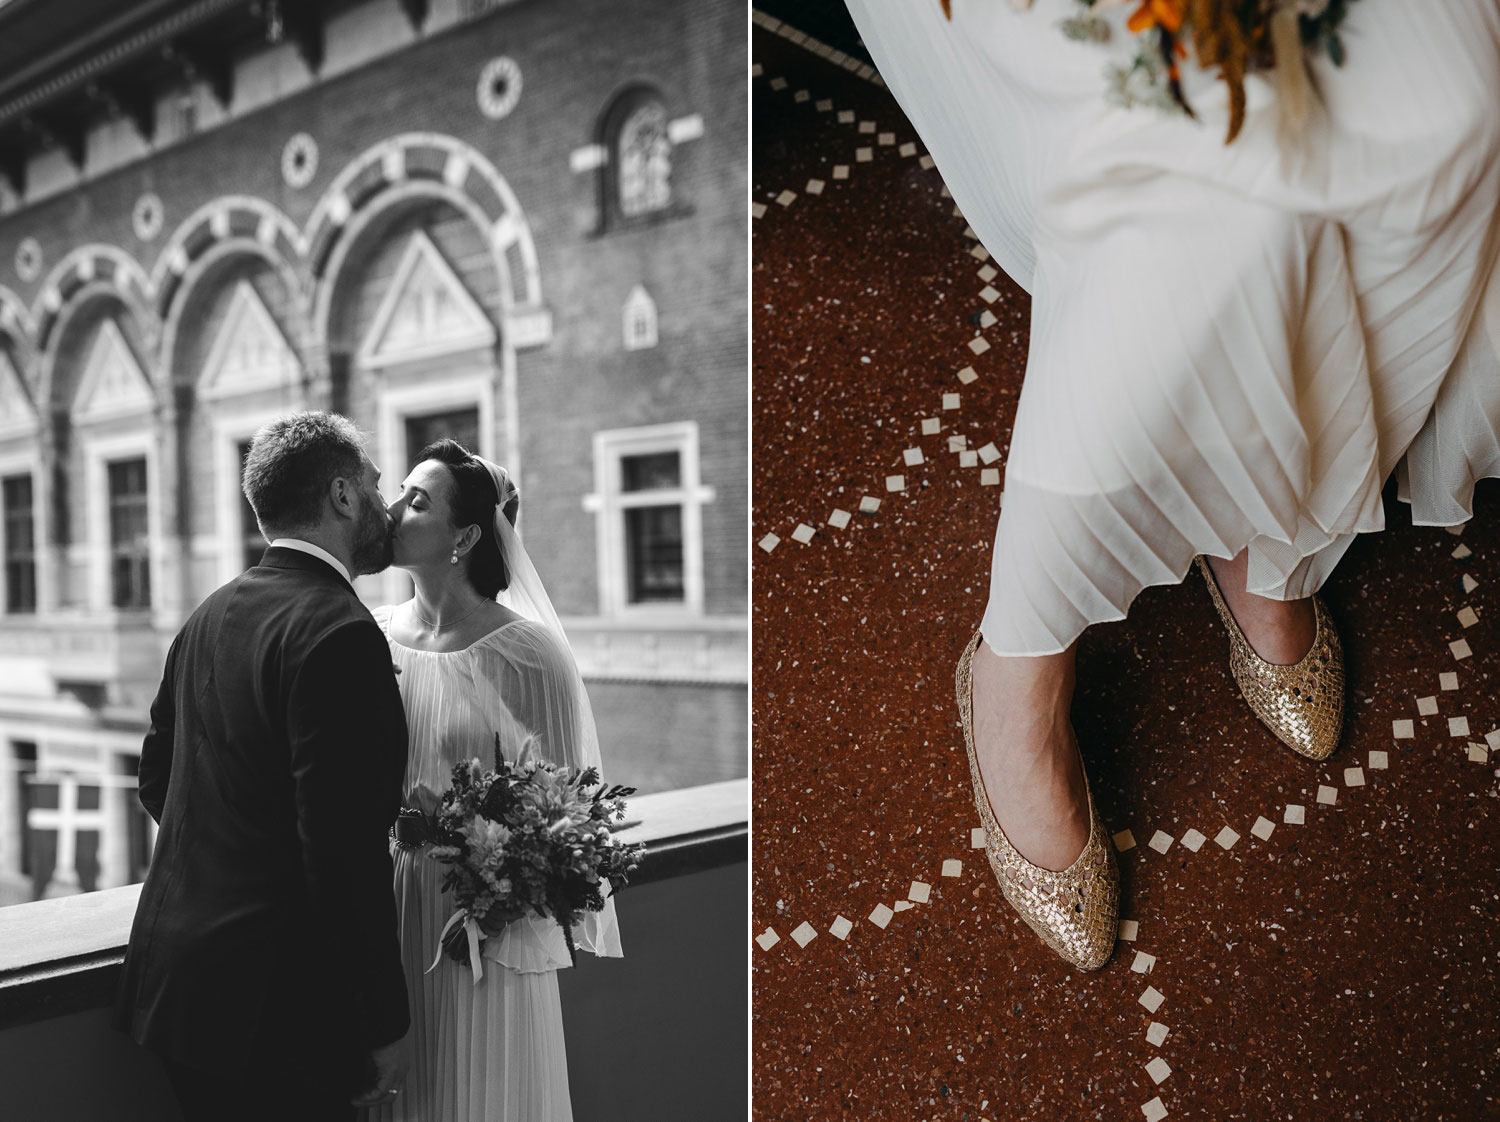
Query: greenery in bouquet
{"x": 527, "y": 838}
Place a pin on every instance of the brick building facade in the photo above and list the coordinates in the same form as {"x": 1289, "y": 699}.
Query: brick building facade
{"x": 521, "y": 223}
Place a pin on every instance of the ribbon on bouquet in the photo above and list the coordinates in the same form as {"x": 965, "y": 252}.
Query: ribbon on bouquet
{"x": 471, "y": 929}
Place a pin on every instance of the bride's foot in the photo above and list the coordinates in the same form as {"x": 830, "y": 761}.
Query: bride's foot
{"x": 1279, "y": 631}
{"x": 1028, "y": 759}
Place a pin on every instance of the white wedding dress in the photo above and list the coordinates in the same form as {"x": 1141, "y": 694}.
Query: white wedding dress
{"x": 492, "y": 1051}
{"x": 1232, "y": 345}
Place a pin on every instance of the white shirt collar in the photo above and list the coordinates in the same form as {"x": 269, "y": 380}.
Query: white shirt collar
{"x": 317, "y": 551}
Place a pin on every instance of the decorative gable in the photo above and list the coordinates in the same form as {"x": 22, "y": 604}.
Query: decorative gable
{"x": 639, "y": 320}
{"x": 17, "y": 414}
{"x": 114, "y": 385}
{"x": 250, "y": 352}
{"x": 427, "y": 311}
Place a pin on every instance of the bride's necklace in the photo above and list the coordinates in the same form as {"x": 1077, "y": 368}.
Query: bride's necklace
{"x": 438, "y": 628}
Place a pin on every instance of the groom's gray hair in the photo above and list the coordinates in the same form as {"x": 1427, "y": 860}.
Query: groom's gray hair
{"x": 291, "y": 464}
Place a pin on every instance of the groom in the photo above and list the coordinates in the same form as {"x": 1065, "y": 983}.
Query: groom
{"x": 263, "y": 965}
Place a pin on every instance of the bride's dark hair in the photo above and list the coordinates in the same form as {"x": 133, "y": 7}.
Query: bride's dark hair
{"x": 474, "y": 500}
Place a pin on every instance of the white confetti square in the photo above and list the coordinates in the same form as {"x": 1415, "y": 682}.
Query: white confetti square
{"x": 1129, "y": 929}
{"x": 841, "y": 928}
{"x": 803, "y": 533}
{"x": 904, "y": 905}
{"x": 958, "y": 443}
{"x": 841, "y": 171}
{"x": 1379, "y": 760}
{"x": 867, "y": 127}
{"x": 908, "y": 149}
{"x": 1470, "y": 584}
{"x": 976, "y": 838}
{"x": 768, "y": 939}
{"x": 815, "y": 186}
{"x": 1160, "y": 841}
{"x": 823, "y": 106}
{"x": 1492, "y": 738}
{"x": 1156, "y": 1033}
{"x": 953, "y": 867}
{"x": 979, "y": 344}
{"x": 756, "y": 70}
{"x": 787, "y": 198}
{"x": 769, "y": 542}
{"x": 839, "y": 519}
{"x": 1226, "y": 838}
{"x": 895, "y": 483}
{"x": 881, "y": 916}
{"x": 988, "y": 318}
{"x": 1263, "y": 828}
{"x": 1467, "y": 617}
{"x": 950, "y": 401}
{"x": 869, "y": 504}
{"x": 968, "y": 458}
{"x": 913, "y": 457}
{"x": 1124, "y": 841}
{"x": 1461, "y": 552}
{"x": 863, "y": 155}
{"x": 1143, "y": 962}
{"x": 1327, "y": 795}
{"x": 989, "y": 294}
{"x": 967, "y": 375}
{"x": 989, "y": 477}
{"x": 931, "y": 426}
{"x": 1154, "y": 1110}
{"x": 1427, "y": 706}
{"x": 1403, "y": 729}
{"x": 757, "y": 210}
{"x": 979, "y": 252}
{"x": 1458, "y": 726}
{"x": 1448, "y": 680}
{"x": 886, "y": 138}
{"x": 800, "y": 96}
{"x": 920, "y": 892}
{"x": 1460, "y": 649}
{"x": 989, "y": 453}
{"x": 1158, "y": 1070}
{"x": 1296, "y": 814}
{"x": 804, "y": 934}
{"x": 1193, "y": 841}
{"x": 1152, "y": 999}
{"x": 988, "y": 273}
{"x": 928, "y": 163}
{"x": 1354, "y": 777}
{"x": 846, "y": 116}
{"x": 778, "y": 84}
{"x": 1478, "y": 753}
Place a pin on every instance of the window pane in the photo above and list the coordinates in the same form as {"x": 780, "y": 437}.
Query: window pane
{"x": 653, "y": 554}
{"x": 461, "y": 425}
{"x": 20, "y": 544}
{"x": 130, "y": 570}
{"x": 655, "y": 472}
{"x": 645, "y": 160}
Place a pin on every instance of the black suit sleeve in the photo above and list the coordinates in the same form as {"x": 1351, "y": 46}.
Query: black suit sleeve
{"x": 156, "y": 749}
{"x": 347, "y": 733}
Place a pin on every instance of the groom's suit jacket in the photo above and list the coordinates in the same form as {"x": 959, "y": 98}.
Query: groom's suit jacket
{"x": 266, "y": 930}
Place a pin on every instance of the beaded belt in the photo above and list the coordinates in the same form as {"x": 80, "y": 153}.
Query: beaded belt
{"x": 411, "y": 829}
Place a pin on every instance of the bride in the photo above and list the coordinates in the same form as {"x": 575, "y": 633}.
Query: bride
{"x": 479, "y": 651}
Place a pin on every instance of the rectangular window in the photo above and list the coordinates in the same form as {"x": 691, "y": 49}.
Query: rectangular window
{"x": 461, "y": 425}
{"x": 252, "y": 544}
{"x": 129, "y": 536}
{"x": 654, "y": 558}
{"x": 20, "y": 543}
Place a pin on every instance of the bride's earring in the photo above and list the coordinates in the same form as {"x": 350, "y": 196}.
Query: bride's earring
{"x": 454, "y": 559}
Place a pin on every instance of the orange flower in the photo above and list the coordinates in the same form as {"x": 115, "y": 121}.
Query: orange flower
{"x": 1154, "y": 13}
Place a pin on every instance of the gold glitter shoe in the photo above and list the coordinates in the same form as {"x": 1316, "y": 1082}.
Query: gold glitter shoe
{"x": 1303, "y": 704}
{"x": 1075, "y": 912}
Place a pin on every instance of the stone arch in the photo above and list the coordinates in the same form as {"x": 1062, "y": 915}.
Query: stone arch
{"x": 81, "y": 275}
{"x": 240, "y": 220}
{"x": 72, "y": 332}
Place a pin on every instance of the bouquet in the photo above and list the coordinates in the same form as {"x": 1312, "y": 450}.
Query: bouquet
{"x": 526, "y": 838}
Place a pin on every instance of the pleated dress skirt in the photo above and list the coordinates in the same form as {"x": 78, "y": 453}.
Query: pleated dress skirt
{"x": 1232, "y": 345}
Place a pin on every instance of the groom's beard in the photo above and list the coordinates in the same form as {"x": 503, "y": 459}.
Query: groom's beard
{"x": 374, "y": 547}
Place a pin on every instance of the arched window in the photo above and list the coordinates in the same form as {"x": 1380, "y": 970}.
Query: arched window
{"x": 636, "y": 149}
{"x": 640, "y": 320}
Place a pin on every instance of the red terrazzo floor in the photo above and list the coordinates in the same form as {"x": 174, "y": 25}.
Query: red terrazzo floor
{"x": 1344, "y": 968}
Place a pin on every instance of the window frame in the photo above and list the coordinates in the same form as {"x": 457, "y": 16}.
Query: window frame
{"x": 98, "y": 453}
{"x": 27, "y": 463}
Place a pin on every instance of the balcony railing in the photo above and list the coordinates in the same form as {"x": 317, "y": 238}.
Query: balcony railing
{"x": 660, "y": 1034}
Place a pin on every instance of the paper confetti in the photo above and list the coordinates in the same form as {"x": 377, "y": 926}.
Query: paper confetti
{"x": 1427, "y": 706}
{"x": 1160, "y": 841}
{"x": 867, "y": 127}
{"x": 841, "y": 928}
{"x": 757, "y": 210}
{"x": 1470, "y": 584}
{"x": 804, "y": 934}
{"x": 1143, "y": 962}
{"x": 839, "y": 519}
{"x": 950, "y": 401}
{"x": 863, "y": 155}
{"x": 823, "y": 106}
{"x": 787, "y": 198}
{"x": 1461, "y": 552}
{"x": 1158, "y": 1070}
{"x": 1492, "y": 738}
{"x": 989, "y": 453}
{"x": 881, "y": 916}
{"x": 1124, "y": 841}
{"x": 1193, "y": 841}
{"x": 869, "y": 504}
{"x": 1478, "y": 753}
{"x": 1460, "y": 649}
{"x": 1403, "y": 729}
{"x": 1154, "y": 1110}
{"x": 1296, "y": 814}
{"x": 989, "y": 294}
{"x": 904, "y": 905}
{"x": 953, "y": 867}
{"x": 769, "y": 542}
{"x": 958, "y": 443}
{"x": 815, "y": 186}
{"x": 1152, "y": 999}
{"x": 1448, "y": 680}
{"x": 1327, "y": 795}
{"x": 1156, "y": 1033}
{"x": 1354, "y": 777}
{"x": 767, "y": 939}
{"x": 979, "y": 344}
{"x": 920, "y": 892}
{"x": 1262, "y": 828}
{"x": 976, "y": 838}
{"x": 989, "y": 477}
{"x": 895, "y": 483}
{"x": 1458, "y": 726}
{"x": 928, "y": 163}
{"x": 968, "y": 458}
{"x": 913, "y": 457}
{"x": 1467, "y": 617}
{"x": 908, "y": 149}
{"x": 846, "y": 116}
{"x": 803, "y": 533}
{"x": 841, "y": 171}
{"x": 1129, "y": 929}
{"x": 931, "y": 426}
{"x": 988, "y": 273}
{"x": 967, "y": 375}
{"x": 1379, "y": 760}
{"x": 1226, "y": 838}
